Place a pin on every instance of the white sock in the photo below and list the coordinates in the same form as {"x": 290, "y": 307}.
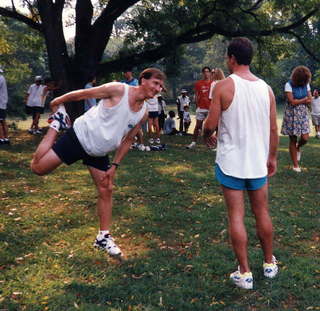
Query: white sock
{"x": 102, "y": 233}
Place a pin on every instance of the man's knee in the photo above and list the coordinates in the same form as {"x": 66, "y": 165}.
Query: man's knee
{"x": 37, "y": 169}
{"x": 105, "y": 190}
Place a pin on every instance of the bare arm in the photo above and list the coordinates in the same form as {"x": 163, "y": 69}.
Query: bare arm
{"x": 292, "y": 101}
{"x": 108, "y": 90}
{"x": 212, "y": 120}
{"x": 274, "y": 137}
{"x": 123, "y": 150}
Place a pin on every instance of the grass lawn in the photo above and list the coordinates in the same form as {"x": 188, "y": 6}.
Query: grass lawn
{"x": 169, "y": 219}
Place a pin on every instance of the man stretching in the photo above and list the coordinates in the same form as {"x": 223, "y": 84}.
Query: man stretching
{"x": 111, "y": 125}
{"x": 245, "y": 107}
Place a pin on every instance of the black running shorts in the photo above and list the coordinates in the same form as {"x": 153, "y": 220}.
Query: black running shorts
{"x": 69, "y": 150}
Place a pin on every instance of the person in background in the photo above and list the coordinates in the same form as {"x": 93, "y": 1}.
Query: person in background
{"x": 4, "y": 139}
{"x": 35, "y": 100}
{"x": 295, "y": 119}
{"x": 202, "y": 88}
{"x": 182, "y": 100}
{"x": 90, "y": 102}
{"x": 315, "y": 112}
{"x": 170, "y": 124}
{"x": 153, "y": 120}
{"x": 186, "y": 119}
{"x": 162, "y": 111}
{"x": 129, "y": 79}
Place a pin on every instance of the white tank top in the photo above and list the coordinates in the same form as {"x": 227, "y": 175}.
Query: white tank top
{"x": 101, "y": 129}
{"x": 244, "y": 130}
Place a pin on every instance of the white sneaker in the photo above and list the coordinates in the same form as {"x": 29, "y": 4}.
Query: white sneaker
{"x": 107, "y": 244}
{"x": 297, "y": 169}
{"x": 192, "y": 145}
{"x": 243, "y": 280}
{"x": 151, "y": 141}
{"x": 141, "y": 147}
{"x": 158, "y": 141}
{"x": 61, "y": 120}
{"x": 270, "y": 270}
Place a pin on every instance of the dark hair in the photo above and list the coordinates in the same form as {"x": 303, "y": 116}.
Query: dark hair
{"x": 241, "y": 49}
{"x": 300, "y": 76}
{"x": 151, "y": 72}
{"x": 204, "y": 68}
{"x": 172, "y": 114}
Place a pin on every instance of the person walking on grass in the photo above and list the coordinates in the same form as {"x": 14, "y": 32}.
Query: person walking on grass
{"x": 35, "y": 100}
{"x": 295, "y": 119}
{"x": 202, "y": 88}
{"x": 111, "y": 125}
{"x": 153, "y": 120}
{"x": 315, "y": 112}
{"x": 245, "y": 108}
{"x": 3, "y": 110}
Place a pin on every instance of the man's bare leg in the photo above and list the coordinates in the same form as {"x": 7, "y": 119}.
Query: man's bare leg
{"x": 235, "y": 203}
{"x": 259, "y": 205}
{"x": 104, "y": 204}
{"x": 104, "y": 240}
{"x": 45, "y": 159}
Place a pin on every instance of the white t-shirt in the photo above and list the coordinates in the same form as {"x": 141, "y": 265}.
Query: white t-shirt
{"x": 3, "y": 93}
{"x": 315, "y": 106}
{"x": 35, "y": 98}
{"x": 152, "y": 104}
{"x": 186, "y": 116}
{"x": 288, "y": 87}
{"x": 183, "y": 101}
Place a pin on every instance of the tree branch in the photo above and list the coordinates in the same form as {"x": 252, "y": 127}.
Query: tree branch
{"x": 20, "y": 17}
{"x": 195, "y": 35}
{"x": 317, "y": 59}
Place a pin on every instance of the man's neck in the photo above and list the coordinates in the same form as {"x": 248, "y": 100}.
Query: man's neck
{"x": 244, "y": 72}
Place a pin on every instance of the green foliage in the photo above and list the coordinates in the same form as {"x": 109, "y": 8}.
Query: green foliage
{"x": 169, "y": 219}
{"x": 23, "y": 57}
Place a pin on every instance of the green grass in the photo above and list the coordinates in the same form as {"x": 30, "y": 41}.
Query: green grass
{"x": 169, "y": 219}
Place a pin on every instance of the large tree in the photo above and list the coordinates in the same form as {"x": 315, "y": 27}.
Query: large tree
{"x": 154, "y": 28}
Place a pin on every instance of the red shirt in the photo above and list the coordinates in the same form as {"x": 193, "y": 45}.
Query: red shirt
{"x": 202, "y": 88}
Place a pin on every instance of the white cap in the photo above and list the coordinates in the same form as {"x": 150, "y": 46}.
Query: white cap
{"x": 38, "y": 78}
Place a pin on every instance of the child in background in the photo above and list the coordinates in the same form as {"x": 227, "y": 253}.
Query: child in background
{"x": 186, "y": 119}
{"x": 169, "y": 127}
{"x": 315, "y": 112}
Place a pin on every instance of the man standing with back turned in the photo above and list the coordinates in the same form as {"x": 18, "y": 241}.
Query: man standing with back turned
{"x": 245, "y": 108}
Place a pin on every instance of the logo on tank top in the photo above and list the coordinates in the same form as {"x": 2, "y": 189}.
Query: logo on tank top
{"x": 131, "y": 124}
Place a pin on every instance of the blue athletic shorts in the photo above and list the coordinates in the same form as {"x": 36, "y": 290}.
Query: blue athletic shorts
{"x": 69, "y": 150}
{"x": 239, "y": 183}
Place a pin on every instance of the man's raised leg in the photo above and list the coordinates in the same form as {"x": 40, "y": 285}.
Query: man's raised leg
{"x": 45, "y": 159}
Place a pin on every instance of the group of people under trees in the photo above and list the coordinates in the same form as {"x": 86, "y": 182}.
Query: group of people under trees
{"x": 241, "y": 105}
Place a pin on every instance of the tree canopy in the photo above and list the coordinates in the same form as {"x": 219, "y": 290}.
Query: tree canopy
{"x": 155, "y": 29}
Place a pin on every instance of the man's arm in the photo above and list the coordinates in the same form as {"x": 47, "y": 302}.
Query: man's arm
{"x": 212, "y": 120}
{"x": 122, "y": 151}
{"x": 274, "y": 137}
{"x": 104, "y": 91}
